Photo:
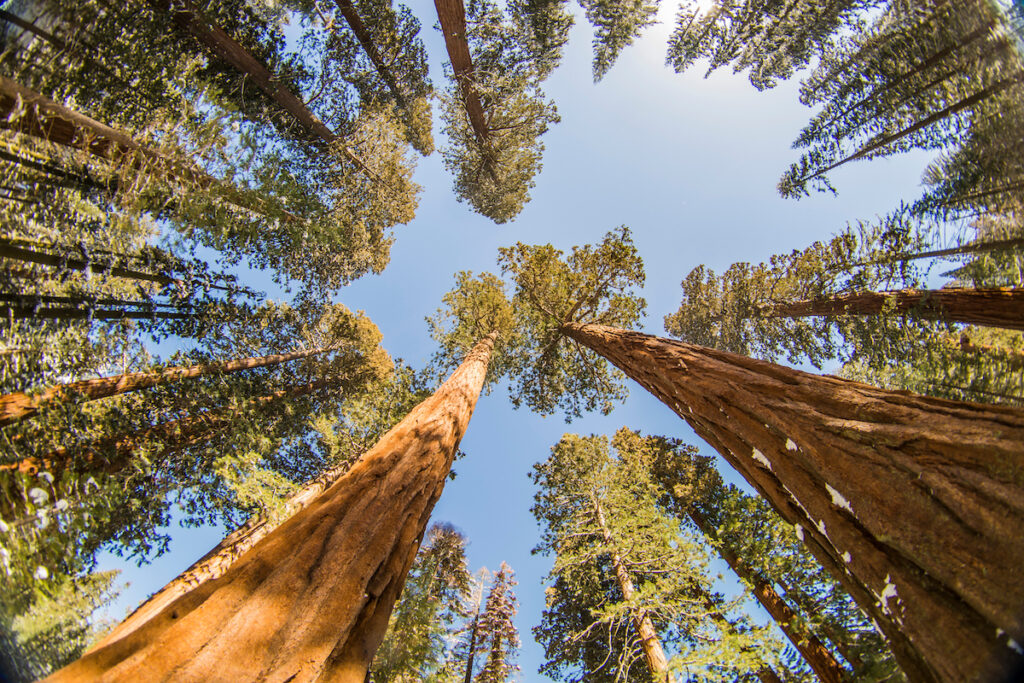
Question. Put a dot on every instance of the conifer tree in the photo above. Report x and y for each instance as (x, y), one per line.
(489, 641)
(494, 110)
(644, 581)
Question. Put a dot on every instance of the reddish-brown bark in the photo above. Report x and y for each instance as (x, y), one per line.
(311, 600)
(807, 644)
(654, 653)
(18, 406)
(995, 307)
(452, 16)
(914, 503)
(220, 558)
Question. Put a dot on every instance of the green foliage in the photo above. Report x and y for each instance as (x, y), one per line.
(617, 24)
(746, 527)
(415, 644)
(600, 518)
(494, 169)
(44, 628)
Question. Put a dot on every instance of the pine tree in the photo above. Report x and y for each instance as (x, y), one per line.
(488, 641)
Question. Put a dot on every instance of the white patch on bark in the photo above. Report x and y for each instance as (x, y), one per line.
(847, 558)
(790, 445)
(821, 528)
(759, 457)
(838, 500)
(799, 531)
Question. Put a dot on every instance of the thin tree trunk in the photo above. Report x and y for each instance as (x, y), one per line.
(222, 556)
(472, 643)
(944, 113)
(915, 504)
(26, 312)
(452, 16)
(995, 307)
(311, 600)
(355, 22)
(657, 662)
(814, 652)
(18, 406)
(970, 248)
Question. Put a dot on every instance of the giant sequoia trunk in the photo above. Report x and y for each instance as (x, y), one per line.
(452, 16)
(654, 653)
(221, 557)
(995, 307)
(915, 504)
(18, 406)
(814, 652)
(311, 600)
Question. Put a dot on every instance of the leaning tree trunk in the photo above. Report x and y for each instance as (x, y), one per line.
(452, 16)
(814, 652)
(311, 600)
(915, 504)
(654, 653)
(222, 556)
(18, 406)
(994, 307)
(362, 34)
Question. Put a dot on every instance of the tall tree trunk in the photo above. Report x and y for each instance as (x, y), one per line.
(18, 406)
(969, 248)
(657, 663)
(362, 33)
(995, 307)
(814, 652)
(953, 109)
(113, 454)
(452, 16)
(311, 600)
(43, 118)
(915, 504)
(472, 642)
(222, 556)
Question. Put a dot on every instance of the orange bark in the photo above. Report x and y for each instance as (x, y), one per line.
(915, 504)
(452, 16)
(311, 600)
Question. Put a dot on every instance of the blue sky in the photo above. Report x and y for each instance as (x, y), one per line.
(690, 165)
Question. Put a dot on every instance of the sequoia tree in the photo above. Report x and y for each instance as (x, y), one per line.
(346, 555)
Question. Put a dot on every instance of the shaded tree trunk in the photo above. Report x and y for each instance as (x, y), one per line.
(970, 248)
(915, 504)
(814, 652)
(654, 653)
(472, 644)
(18, 406)
(452, 16)
(311, 600)
(221, 557)
(995, 307)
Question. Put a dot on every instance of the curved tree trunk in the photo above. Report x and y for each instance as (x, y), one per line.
(311, 600)
(995, 307)
(915, 504)
(18, 406)
(654, 653)
(452, 16)
(814, 652)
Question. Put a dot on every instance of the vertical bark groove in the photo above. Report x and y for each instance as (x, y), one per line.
(311, 600)
(914, 503)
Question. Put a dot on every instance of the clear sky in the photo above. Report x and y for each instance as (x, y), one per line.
(690, 165)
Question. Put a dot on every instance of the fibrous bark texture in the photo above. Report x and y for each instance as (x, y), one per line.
(311, 600)
(814, 652)
(995, 307)
(452, 16)
(914, 503)
(18, 405)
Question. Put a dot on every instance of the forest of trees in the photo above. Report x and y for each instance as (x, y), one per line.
(163, 161)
